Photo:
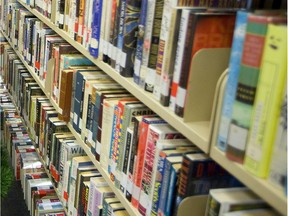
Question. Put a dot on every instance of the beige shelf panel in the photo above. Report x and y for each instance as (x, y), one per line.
(131, 210)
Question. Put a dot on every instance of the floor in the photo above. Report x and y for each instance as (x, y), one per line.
(14, 204)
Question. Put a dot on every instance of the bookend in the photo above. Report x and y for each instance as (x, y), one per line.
(206, 68)
(193, 206)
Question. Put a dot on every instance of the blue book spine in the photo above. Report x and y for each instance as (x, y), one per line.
(165, 183)
(140, 41)
(77, 99)
(120, 39)
(96, 26)
(132, 16)
(234, 68)
(158, 186)
(171, 191)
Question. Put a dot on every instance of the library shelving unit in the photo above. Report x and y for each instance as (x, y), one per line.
(198, 126)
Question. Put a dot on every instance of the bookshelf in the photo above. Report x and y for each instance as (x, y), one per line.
(199, 132)
(37, 150)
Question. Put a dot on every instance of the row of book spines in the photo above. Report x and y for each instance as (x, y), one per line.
(54, 172)
(23, 146)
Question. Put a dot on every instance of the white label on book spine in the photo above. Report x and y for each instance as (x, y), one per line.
(180, 98)
(61, 18)
(137, 65)
(75, 118)
(124, 180)
(118, 55)
(114, 52)
(136, 192)
(80, 30)
(110, 48)
(237, 137)
(49, 8)
(94, 43)
(165, 85)
(98, 147)
(123, 59)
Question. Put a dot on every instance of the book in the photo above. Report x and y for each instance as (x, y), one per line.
(155, 133)
(107, 202)
(234, 68)
(140, 41)
(267, 103)
(203, 23)
(120, 34)
(144, 126)
(127, 112)
(225, 200)
(131, 21)
(96, 26)
(278, 165)
(147, 74)
(94, 182)
(248, 79)
(253, 212)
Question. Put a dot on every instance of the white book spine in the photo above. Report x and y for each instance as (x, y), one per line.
(164, 35)
(179, 56)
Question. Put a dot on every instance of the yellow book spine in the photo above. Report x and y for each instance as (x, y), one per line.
(272, 77)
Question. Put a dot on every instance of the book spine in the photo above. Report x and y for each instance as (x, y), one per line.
(127, 156)
(267, 103)
(171, 191)
(140, 41)
(148, 74)
(165, 183)
(278, 165)
(163, 45)
(132, 16)
(113, 156)
(111, 31)
(107, 23)
(246, 88)
(158, 185)
(120, 38)
(234, 67)
(179, 58)
(132, 160)
(79, 36)
(169, 60)
(96, 26)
